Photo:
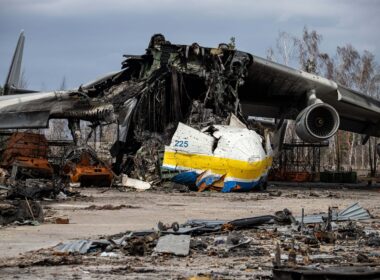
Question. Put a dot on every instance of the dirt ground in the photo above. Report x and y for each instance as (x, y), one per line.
(143, 210)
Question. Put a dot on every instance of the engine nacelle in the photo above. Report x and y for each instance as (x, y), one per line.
(317, 122)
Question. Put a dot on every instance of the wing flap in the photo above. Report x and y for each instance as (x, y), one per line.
(37, 119)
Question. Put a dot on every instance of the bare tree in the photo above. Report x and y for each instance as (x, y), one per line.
(271, 55)
(308, 50)
(286, 45)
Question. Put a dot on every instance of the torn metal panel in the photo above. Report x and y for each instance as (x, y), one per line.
(352, 212)
(81, 246)
(125, 118)
(178, 245)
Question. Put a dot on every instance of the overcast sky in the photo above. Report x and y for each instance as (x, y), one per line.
(83, 39)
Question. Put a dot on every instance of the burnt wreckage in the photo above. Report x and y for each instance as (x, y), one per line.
(169, 84)
(192, 84)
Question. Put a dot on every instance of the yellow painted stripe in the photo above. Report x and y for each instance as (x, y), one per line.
(231, 167)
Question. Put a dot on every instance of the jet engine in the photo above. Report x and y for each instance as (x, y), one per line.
(317, 122)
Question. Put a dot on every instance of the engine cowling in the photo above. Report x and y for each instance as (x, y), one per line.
(317, 122)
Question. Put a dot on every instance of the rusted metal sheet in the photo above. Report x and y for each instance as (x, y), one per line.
(26, 153)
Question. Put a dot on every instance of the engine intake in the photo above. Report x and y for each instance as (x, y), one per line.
(317, 122)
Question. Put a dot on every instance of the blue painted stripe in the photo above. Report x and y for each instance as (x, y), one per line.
(185, 178)
(190, 177)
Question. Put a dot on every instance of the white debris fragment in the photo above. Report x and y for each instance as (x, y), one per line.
(109, 255)
(134, 183)
(61, 196)
(235, 122)
(74, 185)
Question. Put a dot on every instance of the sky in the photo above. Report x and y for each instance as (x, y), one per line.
(80, 40)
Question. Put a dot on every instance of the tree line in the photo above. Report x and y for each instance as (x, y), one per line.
(348, 67)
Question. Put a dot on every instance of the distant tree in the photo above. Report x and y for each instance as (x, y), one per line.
(1, 90)
(286, 46)
(308, 50)
(232, 43)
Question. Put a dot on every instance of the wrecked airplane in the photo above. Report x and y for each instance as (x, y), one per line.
(199, 87)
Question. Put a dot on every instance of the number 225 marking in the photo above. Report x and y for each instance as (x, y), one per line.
(181, 143)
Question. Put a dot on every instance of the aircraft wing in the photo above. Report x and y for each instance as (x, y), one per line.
(275, 90)
(33, 110)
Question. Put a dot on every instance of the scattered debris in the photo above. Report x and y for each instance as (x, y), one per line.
(109, 255)
(34, 189)
(249, 245)
(110, 207)
(135, 183)
(352, 212)
(81, 246)
(20, 211)
(62, 221)
(178, 245)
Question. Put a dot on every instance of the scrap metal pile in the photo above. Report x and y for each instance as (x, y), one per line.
(335, 244)
(20, 199)
(27, 177)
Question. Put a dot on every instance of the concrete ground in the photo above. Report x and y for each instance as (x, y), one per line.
(145, 209)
